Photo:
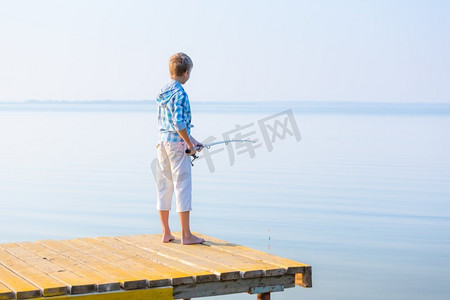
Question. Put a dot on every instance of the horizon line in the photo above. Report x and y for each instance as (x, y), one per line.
(145, 101)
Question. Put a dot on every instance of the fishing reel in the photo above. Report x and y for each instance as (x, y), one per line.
(207, 146)
(194, 157)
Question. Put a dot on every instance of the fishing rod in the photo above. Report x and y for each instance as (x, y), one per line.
(207, 146)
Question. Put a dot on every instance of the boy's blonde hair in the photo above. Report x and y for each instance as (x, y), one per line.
(179, 63)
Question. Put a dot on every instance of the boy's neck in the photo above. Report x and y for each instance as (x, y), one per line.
(178, 78)
(183, 78)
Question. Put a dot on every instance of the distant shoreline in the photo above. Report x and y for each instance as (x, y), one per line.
(299, 107)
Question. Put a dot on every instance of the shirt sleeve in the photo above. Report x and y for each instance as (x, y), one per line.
(178, 111)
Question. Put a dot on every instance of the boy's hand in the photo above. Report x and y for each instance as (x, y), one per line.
(198, 146)
(191, 150)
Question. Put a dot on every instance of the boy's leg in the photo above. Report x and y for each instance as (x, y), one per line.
(164, 186)
(180, 164)
(166, 234)
(187, 238)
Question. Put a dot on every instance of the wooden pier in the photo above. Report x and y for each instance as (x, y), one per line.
(141, 267)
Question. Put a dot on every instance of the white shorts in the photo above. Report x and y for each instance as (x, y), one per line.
(173, 174)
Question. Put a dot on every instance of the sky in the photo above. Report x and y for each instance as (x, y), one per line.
(363, 51)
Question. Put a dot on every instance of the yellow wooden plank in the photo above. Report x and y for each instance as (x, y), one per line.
(161, 293)
(103, 282)
(200, 275)
(77, 284)
(21, 288)
(224, 272)
(151, 269)
(127, 279)
(250, 268)
(5, 292)
(48, 285)
(140, 267)
(291, 266)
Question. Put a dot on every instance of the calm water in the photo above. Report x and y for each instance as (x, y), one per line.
(364, 197)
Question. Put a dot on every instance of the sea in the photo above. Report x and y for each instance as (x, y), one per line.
(360, 191)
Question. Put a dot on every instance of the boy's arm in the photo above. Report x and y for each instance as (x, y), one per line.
(185, 136)
(190, 141)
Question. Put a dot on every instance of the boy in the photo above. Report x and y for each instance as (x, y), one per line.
(174, 165)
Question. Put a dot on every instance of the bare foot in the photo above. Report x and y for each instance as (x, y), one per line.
(192, 239)
(167, 238)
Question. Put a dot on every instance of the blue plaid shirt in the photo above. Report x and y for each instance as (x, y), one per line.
(174, 112)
